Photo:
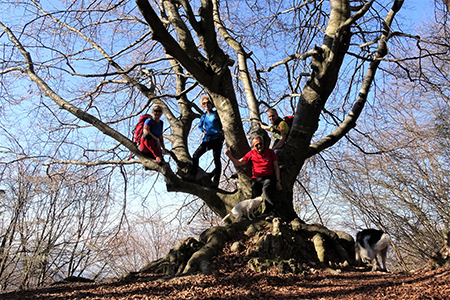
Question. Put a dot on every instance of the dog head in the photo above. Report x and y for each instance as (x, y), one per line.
(260, 199)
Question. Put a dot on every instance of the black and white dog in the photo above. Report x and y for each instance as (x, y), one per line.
(369, 244)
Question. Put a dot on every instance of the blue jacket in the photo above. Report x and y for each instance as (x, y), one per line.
(211, 126)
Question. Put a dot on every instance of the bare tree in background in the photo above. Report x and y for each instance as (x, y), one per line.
(53, 224)
(400, 181)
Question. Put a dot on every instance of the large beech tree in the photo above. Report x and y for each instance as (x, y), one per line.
(100, 65)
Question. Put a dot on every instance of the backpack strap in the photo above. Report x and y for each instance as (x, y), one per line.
(276, 124)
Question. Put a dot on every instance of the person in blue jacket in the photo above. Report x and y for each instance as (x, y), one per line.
(211, 127)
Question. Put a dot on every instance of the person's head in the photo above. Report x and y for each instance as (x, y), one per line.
(157, 111)
(206, 103)
(258, 144)
(272, 114)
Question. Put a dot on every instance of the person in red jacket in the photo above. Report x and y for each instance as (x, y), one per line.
(265, 172)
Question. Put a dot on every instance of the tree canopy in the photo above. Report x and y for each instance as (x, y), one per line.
(96, 67)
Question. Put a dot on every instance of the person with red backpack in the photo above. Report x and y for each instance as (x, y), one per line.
(151, 141)
(279, 128)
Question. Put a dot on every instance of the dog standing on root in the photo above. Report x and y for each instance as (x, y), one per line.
(245, 207)
(369, 244)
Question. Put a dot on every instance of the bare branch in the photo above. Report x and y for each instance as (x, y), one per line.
(350, 120)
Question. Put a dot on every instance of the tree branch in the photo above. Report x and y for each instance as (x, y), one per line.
(63, 104)
(244, 73)
(350, 120)
(171, 46)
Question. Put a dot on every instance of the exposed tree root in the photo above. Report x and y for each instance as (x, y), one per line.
(288, 247)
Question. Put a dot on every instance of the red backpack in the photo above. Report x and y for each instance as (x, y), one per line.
(139, 129)
(289, 120)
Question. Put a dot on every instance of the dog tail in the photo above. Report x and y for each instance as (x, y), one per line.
(226, 217)
(384, 241)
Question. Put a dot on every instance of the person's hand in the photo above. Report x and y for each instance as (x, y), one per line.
(158, 159)
(228, 152)
(279, 186)
(264, 126)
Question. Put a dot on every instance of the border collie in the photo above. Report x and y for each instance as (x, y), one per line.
(369, 244)
(245, 207)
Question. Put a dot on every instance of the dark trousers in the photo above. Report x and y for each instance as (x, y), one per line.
(216, 147)
(265, 186)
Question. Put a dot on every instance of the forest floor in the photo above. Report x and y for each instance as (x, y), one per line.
(236, 281)
(232, 279)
